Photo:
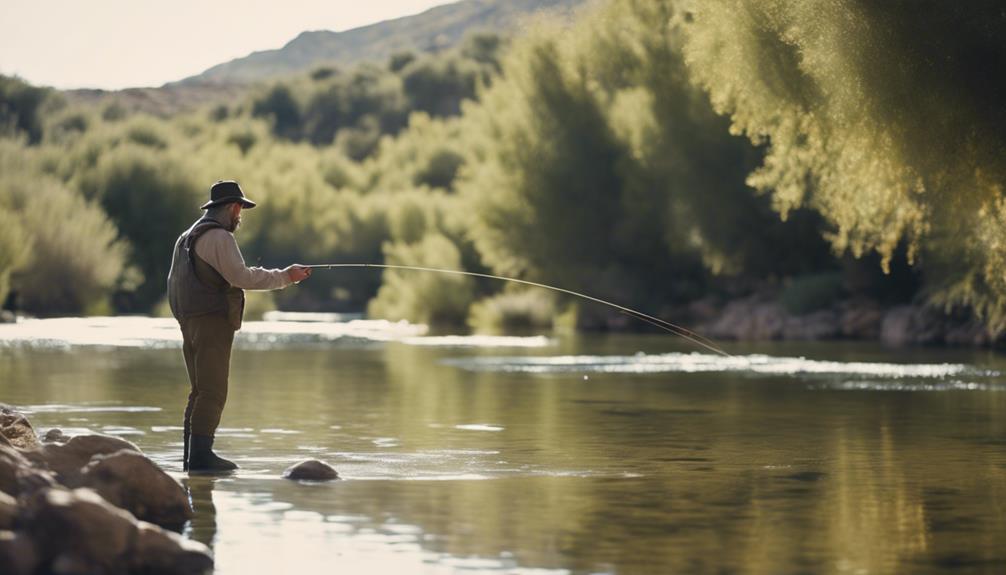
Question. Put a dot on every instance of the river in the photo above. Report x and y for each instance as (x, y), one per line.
(552, 454)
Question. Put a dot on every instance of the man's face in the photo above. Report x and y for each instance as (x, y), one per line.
(235, 216)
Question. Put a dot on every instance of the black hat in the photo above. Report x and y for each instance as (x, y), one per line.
(225, 192)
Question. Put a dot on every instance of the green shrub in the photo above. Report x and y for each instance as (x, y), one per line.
(152, 198)
(440, 170)
(15, 248)
(516, 311)
(423, 297)
(75, 256)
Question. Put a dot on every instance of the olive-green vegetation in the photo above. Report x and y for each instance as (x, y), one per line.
(884, 117)
(655, 153)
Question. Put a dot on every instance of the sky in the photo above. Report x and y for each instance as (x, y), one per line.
(114, 44)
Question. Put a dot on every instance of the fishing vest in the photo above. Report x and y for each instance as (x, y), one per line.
(195, 288)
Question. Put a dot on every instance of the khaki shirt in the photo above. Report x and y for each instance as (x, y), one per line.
(219, 248)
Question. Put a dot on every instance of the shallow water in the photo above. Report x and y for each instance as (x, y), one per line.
(617, 454)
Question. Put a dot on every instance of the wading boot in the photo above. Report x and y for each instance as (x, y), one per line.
(203, 460)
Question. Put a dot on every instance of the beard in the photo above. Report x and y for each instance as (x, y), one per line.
(235, 224)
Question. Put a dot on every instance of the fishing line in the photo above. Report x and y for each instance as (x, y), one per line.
(655, 321)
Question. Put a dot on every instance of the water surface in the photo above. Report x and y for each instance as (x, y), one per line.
(578, 454)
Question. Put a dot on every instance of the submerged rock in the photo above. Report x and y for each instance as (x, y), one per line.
(311, 470)
(16, 428)
(68, 459)
(133, 482)
(55, 435)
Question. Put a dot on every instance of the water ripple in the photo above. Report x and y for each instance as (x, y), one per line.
(706, 363)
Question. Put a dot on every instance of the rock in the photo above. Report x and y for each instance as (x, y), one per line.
(55, 435)
(159, 551)
(133, 482)
(311, 470)
(18, 555)
(68, 459)
(818, 325)
(79, 532)
(16, 428)
(8, 511)
(17, 476)
(912, 325)
(7, 316)
(861, 320)
(971, 332)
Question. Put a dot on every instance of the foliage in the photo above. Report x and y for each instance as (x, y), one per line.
(59, 251)
(513, 311)
(879, 115)
(20, 105)
(419, 296)
(151, 198)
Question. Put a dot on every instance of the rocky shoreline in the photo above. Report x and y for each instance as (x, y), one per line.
(762, 317)
(88, 504)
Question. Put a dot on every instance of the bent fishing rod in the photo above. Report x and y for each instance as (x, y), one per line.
(655, 321)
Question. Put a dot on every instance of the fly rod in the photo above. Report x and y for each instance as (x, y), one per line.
(655, 321)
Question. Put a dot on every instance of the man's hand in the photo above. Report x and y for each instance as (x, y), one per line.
(298, 273)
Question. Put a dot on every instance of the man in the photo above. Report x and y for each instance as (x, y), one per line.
(206, 292)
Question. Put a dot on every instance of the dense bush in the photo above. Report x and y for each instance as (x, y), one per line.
(151, 198)
(424, 297)
(20, 105)
(514, 311)
(879, 115)
(59, 252)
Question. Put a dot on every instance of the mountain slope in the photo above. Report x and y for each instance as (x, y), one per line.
(436, 28)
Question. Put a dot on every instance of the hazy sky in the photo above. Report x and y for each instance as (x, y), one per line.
(125, 43)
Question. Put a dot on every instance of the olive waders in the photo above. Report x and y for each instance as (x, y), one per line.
(209, 311)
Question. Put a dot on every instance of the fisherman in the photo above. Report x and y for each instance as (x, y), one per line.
(206, 292)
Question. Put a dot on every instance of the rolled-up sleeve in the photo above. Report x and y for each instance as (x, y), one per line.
(220, 249)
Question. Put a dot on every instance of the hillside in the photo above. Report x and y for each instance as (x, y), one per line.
(437, 28)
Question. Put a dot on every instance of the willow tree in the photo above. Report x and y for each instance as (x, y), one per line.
(595, 161)
(885, 117)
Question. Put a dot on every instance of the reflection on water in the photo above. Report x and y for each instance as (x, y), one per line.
(463, 457)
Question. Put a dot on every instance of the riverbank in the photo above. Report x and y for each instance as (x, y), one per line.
(763, 317)
(88, 504)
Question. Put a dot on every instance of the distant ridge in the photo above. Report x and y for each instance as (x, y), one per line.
(437, 28)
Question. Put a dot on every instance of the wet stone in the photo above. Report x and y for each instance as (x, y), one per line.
(68, 459)
(55, 435)
(311, 470)
(133, 482)
(16, 428)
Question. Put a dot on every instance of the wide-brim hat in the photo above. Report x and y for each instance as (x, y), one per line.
(225, 192)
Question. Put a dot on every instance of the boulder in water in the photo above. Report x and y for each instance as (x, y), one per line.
(160, 551)
(16, 428)
(78, 531)
(17, 476)
(311, 470)
(68, 459)
(132, 481)
(55, 435)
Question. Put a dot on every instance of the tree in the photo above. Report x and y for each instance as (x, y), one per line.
(882, 117)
